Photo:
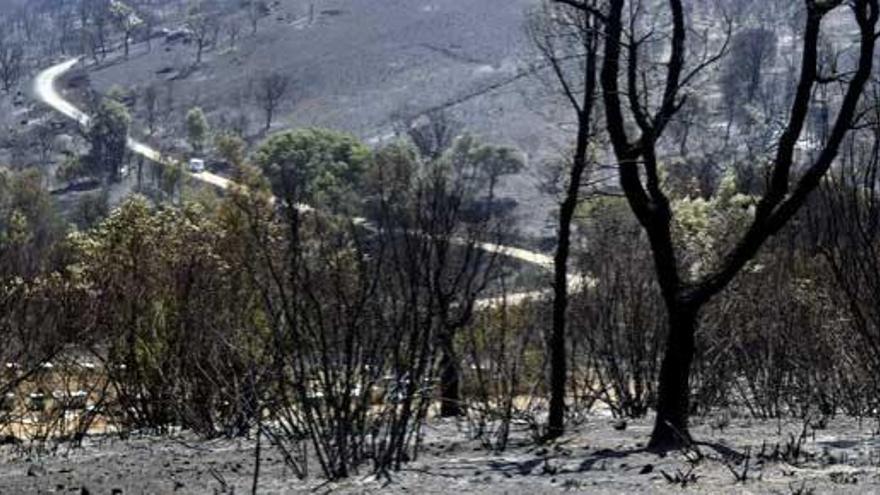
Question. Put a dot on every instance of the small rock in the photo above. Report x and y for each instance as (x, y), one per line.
(648, 468)
(116, 491)
(85, 491)
(620, 425)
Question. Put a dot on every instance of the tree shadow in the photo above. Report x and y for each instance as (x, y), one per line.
(521, 468)
(722, 450)
(597, 458)
(605, 455)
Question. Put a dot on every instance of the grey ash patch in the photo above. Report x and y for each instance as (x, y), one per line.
(595, 458)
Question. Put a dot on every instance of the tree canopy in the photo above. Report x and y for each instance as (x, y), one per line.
(315, 166)
(108, 137)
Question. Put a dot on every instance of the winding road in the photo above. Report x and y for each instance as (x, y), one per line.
(45, 90)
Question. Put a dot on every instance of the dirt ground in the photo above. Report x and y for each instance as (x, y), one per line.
(595, 458)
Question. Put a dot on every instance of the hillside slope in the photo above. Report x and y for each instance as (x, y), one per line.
(357, 66)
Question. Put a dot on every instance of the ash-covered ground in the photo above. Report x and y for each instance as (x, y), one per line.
(596, 457)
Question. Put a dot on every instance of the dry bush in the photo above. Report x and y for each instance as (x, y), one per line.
(170, 343)
(504, 371)
(39, 324)
(848, 237)
(772, 344)
(778, 343)
(616, 332)
(363, 316)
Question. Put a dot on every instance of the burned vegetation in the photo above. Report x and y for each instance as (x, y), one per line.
(187, 269)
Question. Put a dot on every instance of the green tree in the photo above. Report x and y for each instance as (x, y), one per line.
(126, 20)
(484, 163)
(231, 147)
(197, 129)
(315, 166)
(163, 280)
(30, 228)
(91, 209)
(171, 181)
(71, 170)
(120, 94)
(108, 136)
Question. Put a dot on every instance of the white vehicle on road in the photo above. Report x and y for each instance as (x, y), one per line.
(196, 165)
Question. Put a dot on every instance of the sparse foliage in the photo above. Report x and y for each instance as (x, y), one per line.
(270, 91)
(202, 27)
(108, 135)
(11, 61)
(197, 129)
(126, 20)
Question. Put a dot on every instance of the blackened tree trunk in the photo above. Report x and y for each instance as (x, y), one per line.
(579, 86)
(450, 393)
(671, 426)
(558, 364)
(558, 358)
(640, 177)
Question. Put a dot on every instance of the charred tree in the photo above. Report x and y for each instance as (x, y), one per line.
(637, 165)
(577, 77)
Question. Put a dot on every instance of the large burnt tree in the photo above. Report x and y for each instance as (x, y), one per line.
(636, 119)
(568, 40)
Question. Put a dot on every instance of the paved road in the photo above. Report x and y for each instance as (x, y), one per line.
(46, 91)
